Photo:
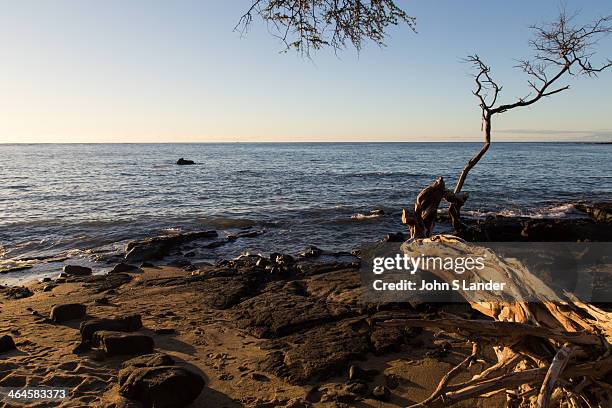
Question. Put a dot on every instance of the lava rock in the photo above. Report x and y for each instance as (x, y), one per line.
(395, 237)
(127, 323)
(120, 343)
(77, 270)
(311, 252)
(158, 247)
(147, 360)
(155, 381)
(67, 312)
(18, 292)
(123, 267)
(184, 162)
(6, 344)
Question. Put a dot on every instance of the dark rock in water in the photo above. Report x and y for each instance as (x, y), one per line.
(121, 343)
(67, 312)
(127, 323)
(311, 252)
(158, 247)
(44, 280)
(381, 393)
(183, 162)
(146, 265)
(155, 381)
(77, 270)
(395, 237)
(17, 292)
(6, 344)
(123, 267)
(517, 229)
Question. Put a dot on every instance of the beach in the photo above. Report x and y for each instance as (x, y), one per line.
(288, 330)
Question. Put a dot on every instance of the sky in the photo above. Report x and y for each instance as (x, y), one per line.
(175, 71)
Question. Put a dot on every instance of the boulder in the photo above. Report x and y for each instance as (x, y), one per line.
(154, 381)
(121, 343)
(127, 323)
(184, 162)
(106, 283)
(77, 270)
(17, 292)
(6, 344)
(67, 312)
(123, 267)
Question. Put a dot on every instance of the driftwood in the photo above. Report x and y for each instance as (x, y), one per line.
(421, 222)
(551, 352)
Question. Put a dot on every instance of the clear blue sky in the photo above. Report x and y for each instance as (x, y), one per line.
(164, 71)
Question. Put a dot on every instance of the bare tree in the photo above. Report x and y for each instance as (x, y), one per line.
(561, 49)
(306, 25)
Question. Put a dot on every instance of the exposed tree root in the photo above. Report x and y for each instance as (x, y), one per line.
(550, 352)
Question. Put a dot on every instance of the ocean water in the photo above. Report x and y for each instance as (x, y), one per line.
(82, 200)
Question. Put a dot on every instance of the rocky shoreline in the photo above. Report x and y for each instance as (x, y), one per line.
(286, 330)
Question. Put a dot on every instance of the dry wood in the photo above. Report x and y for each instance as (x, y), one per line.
(532, 338)
(552, 375)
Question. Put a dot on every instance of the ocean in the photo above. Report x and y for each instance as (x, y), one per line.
(83, 200)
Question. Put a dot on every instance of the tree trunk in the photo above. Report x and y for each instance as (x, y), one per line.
(454, 209)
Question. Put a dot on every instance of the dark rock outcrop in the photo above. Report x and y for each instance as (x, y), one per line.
(283, 309)
(66, 312)
(77, 270)
(520, 229)
(184, 162)
(320, 352)
(155, 381)
(158, 247)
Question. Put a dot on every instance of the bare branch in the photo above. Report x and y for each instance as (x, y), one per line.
(306, 25)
